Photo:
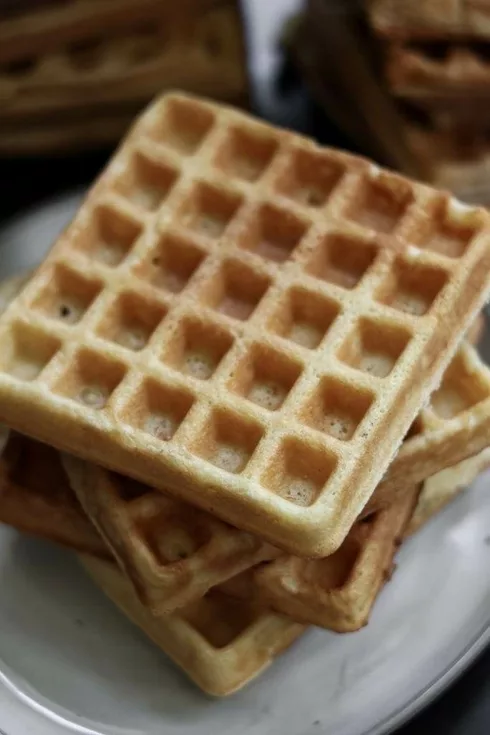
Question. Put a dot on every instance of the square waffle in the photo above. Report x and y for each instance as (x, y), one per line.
(203, 53)
(245, 319)
(430, 18)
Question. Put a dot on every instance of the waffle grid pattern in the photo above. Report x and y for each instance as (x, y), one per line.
(220, 642)
(171, 552)
(202, 305)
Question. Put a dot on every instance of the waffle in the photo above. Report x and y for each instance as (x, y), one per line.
(36, 498)
(431, 72)
(172, 553)
(221, 643)
(430, 18)
(338, 592)
(204, 54)
(311, 589)
(249, 410)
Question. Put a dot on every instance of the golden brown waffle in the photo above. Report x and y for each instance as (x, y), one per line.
(204, 54)
(430, 18)
(42, 509)
(140, 342)
(148, 530)
(221, 643)
(419, 72)
(339, 592)
(172, 553)
(36, 498)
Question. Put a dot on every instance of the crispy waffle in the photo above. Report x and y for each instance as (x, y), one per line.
(430, 18)
(221, 643)
(339, 592)
(204, 54)
(172, 553)
(141, 344)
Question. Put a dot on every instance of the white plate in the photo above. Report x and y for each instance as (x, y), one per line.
(70, 662)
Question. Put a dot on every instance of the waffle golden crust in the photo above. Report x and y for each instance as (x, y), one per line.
(171, 552)
(221, 643)
(204, 53)
(430, 18)
(267, 414)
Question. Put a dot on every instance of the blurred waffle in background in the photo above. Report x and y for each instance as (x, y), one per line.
(409, 82)
(74, 74)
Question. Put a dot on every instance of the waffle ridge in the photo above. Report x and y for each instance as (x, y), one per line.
(199, 201)
(171, 552)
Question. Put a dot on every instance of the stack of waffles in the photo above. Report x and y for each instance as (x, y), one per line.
(415, 87)
(73, 74)
(246, 362)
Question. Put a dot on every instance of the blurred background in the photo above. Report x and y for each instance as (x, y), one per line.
(406, 82)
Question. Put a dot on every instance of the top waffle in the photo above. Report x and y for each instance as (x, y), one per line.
(430, 18)
(244, 318)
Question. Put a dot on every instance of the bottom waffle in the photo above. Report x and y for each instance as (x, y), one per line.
(336, 592)
(220, 642)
